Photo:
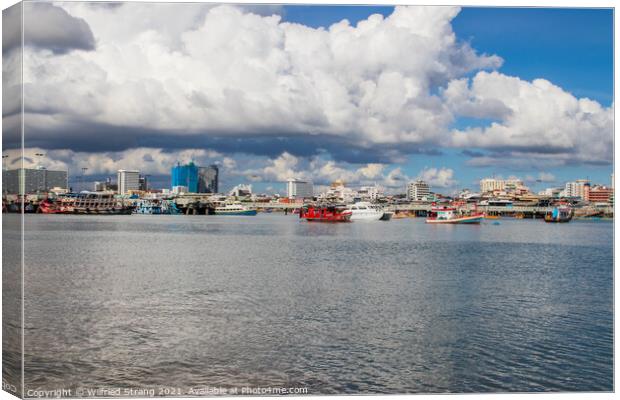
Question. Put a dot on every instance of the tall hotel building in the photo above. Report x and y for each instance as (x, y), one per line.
(32, 180)
(127, 180)
(418, 190)
(298, 189)
(579, 188)
(195, 179)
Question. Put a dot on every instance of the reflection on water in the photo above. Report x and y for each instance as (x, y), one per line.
(150, 301)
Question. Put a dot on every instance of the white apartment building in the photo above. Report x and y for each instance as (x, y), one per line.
(491, 184)
(371, 193)
(418, 190)
(128, 180)
(298, 189)
(579, 188)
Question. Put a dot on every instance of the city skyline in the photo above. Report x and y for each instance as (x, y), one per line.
(455, 97)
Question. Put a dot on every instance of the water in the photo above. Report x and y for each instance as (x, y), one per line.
(272, 301)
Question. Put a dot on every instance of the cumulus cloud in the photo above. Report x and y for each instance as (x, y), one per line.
(322, 172)
(46, 26)
(438, 177)
(222, 71)
(537, 121)
(342, 101)
(147, 160)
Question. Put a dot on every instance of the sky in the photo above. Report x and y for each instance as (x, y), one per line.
(364, 94)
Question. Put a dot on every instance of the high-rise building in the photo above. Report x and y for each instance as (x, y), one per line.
(128, 180)
(418, 190)
(579, 188)
(371, 193)
(298, 189)
(33, 180)
(491, 184)
(185, 175)
(143, 183)
(208, 179)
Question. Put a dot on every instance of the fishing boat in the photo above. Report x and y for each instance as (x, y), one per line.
(364, 211)
(449, 215)
(233, 209)
(84, 203)
(559, 214)
(326, 214)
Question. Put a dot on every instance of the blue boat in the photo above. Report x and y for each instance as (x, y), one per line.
(155, 207)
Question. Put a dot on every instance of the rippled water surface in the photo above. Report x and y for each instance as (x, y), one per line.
(271, 301)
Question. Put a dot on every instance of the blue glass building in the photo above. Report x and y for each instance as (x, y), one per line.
(185, 175)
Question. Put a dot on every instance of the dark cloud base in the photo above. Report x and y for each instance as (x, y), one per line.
(97, 138)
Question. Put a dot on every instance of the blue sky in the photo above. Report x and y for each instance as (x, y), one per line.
(572, 48)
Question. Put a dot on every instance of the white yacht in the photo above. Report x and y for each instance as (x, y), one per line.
(234, 209)
(364, 211)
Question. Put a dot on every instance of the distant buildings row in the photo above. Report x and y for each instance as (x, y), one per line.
(190, 178)
(581, 190)
(33, 180)
(298, 190)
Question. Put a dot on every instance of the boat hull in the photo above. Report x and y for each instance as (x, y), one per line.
(366, 217)
(244, 212)
(325, 215)
(558, 220)
(344, 218)
(474, 219)
(386, 216)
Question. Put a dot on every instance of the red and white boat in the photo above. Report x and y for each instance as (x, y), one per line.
(449, 215)
(326, 214)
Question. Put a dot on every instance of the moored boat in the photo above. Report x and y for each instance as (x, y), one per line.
(84, 203)
(448, 215)
(364, 211)
(326, 214)
(559, 214)
(234, 209)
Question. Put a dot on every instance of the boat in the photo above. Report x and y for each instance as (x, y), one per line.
(234, 209)
(155, 207)
(449, 215)
(147, 207)
(326, 214)
(559, 214)
(491, 217)
(364, 211)
(84, 203)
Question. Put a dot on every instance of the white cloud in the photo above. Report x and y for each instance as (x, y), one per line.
(220, 69)
(438, 177)
(147, 160)
(534, 118)
(322, 172)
